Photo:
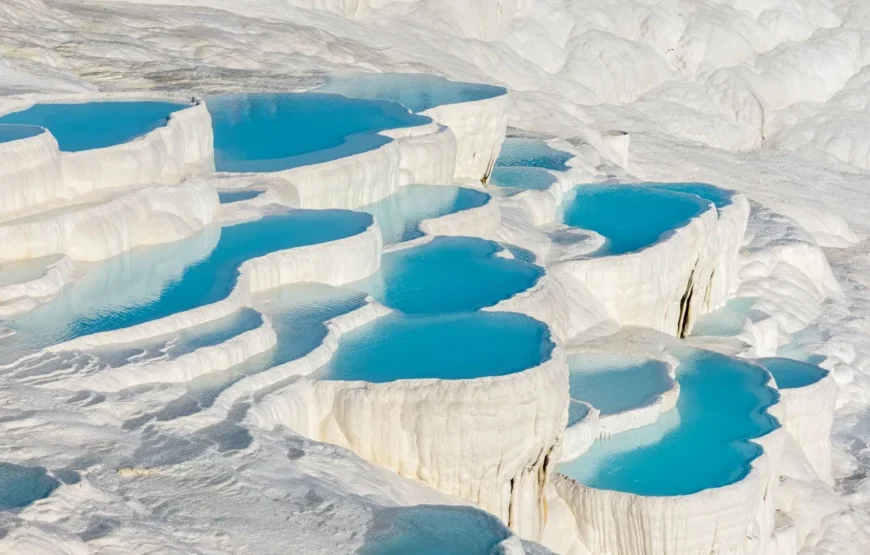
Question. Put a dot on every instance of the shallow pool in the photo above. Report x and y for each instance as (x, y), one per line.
(791, 374)
(629, 217)
(12, 132)
(152, 282)
(448, 274)
(88, 125)
(535, 153)
(719, 197)
(702, 443)
(272, 132)
(433, 530)
(727, 321)
(399, 215)
(22, 485)
(416, 91)
(230, 196)
(448, 346)
(516, 179)
(616, 383)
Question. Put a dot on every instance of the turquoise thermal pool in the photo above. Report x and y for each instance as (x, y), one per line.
(728, 320)
(615, 383)
(399, 215)
(96, 124)
(273, 132)
(792, 374)
(22, 485)
(533, 153)
(704, 442)
(152, 282)
(448, 274)
(433, 530)
(516, 179)
(719, 197)
(417, 92)
(629, 217)
(227, 197)
(13, 132)
(448, 347)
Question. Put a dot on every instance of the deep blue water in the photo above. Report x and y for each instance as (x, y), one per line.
(613, 383)
(226, 197)
(87, 125)
(400, 214)
(177, 276)
(272, 132)
(790, 374)
(534, 153)
(14, 132)
(22, 485)
(448, 274)
(450, 347)
(702, 443)
(416, 91)
(628, 216)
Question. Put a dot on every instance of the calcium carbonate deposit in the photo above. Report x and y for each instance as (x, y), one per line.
(453, 277)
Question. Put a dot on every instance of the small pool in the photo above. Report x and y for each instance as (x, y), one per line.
(719, 197)
(629, 217)
(152, 282)
(12, 132)
(433, 530)
(726, 321)
(577, 411)
(230, 196)
(448, 274)
(516, 179)
(273, 132)
(448, 347)
(22, 485)
(416, 91)
(533, 153)
(88, 125)
(400, 214)
(792, 374)
(702, 443)
(615, 383)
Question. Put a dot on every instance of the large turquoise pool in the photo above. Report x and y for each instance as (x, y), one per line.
(449, 274)
(702, 443)
(98, 124)
(399, 215)
(416, 91)
(272, 132)
(630, 217)
(445, 346)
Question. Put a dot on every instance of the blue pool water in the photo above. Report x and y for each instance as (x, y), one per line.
(577, 411)
(449, 347)
(702, 443)
(153, 282)
(726, 321)
(226, 197)
(22, 485)
(417, 92)
(516, 179)
(535, 153)
(719, 197)
(433, 530)
(272, 132)
(614, 383)
(400, 214)
(87, 125)
(448, 274)
(15, 132)
(791, 374)
(629, 217)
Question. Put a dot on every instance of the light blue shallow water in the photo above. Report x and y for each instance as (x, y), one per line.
(448, 274)
(13, 132)
(272, 132)
(791, 374)
(87, 125)
(577, 411)
(449, 347)
(22, 485)
(416, 91)
(226, 197)
(719, 197)
(726, 321)
(516, 179)
(399, 215)
(172, 278)
(628, 216)
(614, 383)
(702, 443)
(433, 530)
(516, 151)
